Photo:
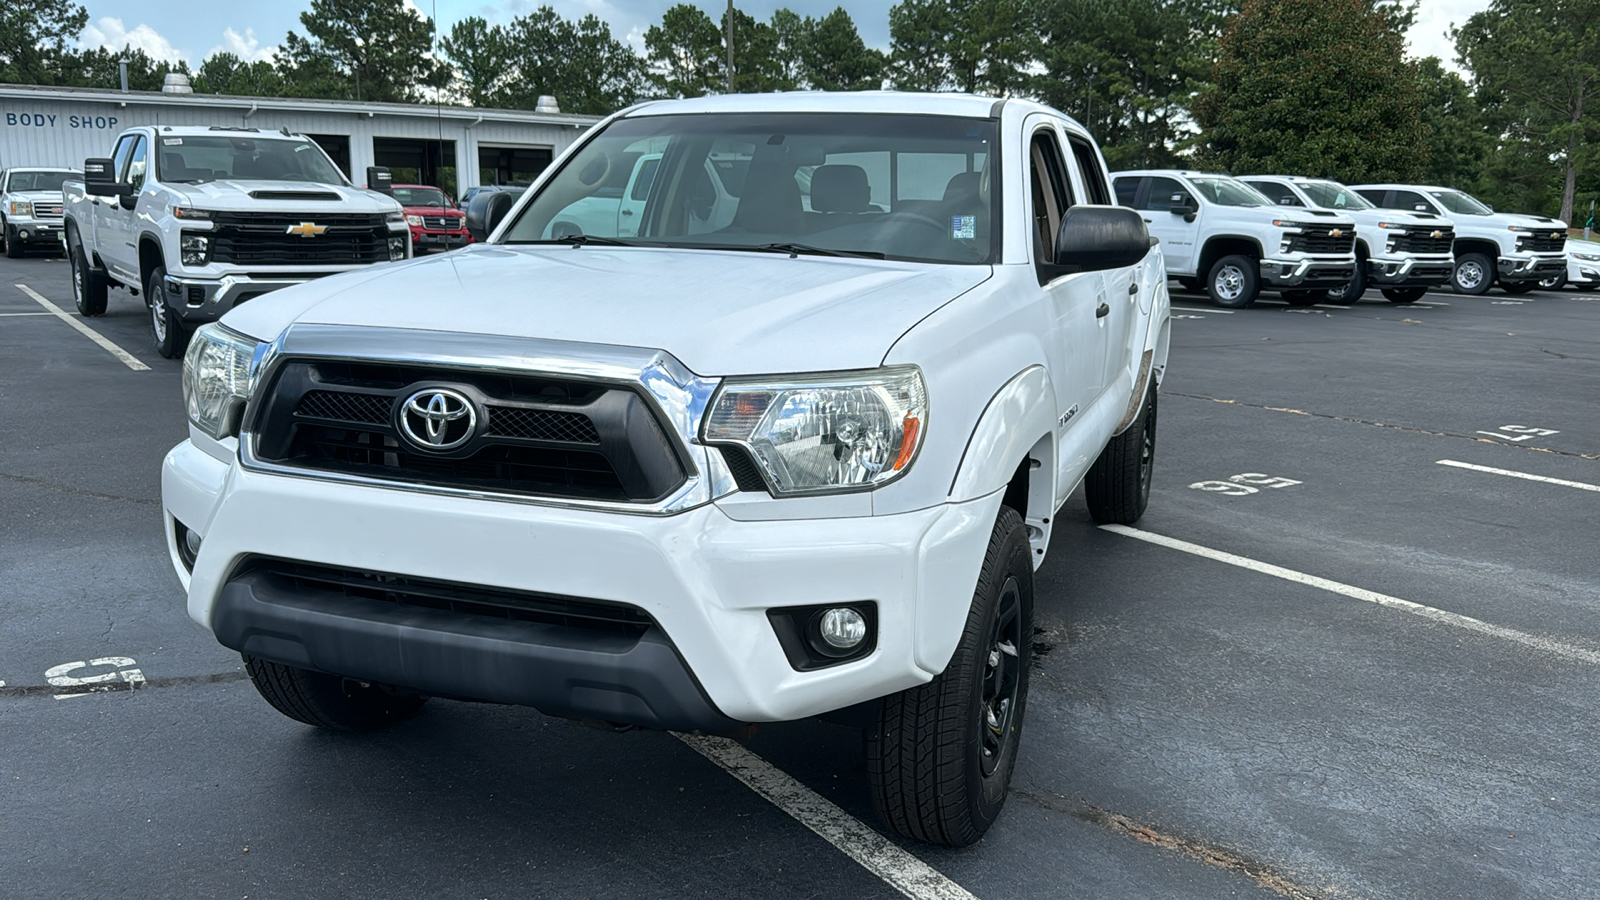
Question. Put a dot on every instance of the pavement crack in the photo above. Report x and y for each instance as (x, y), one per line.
(68, 489)
(1210, 854)
(1368, 422)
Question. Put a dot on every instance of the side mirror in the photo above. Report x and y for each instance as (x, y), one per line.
(485, 212)
(1183, 205)
(1096, 238)
(100, 179)
(379, 179)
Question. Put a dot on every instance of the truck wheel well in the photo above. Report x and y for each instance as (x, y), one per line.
(1487, 248)
(1226, 245)
(1361, 250)
(150, 259)
(1016, 495)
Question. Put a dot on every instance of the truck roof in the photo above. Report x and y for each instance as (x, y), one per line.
(1187, 173)
(43, 169)
(221, 130)
(1395, 186)
(969, 105)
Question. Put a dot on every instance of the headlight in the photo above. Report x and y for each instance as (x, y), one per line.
(195, 249)
(414, 220)
(216, 378)
(21, 208)
(1588, 257)
(825, 433)
(1392, 226)
(396, 216)
(189, 212)
(1286, 223)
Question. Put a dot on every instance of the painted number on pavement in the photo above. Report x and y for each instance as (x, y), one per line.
(108, 673)
(1519, 432)
(1243, 484)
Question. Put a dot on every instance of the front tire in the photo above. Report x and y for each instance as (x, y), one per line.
(1351, 293)
(1234, 282)
(1553, 283)
(1518, 288)
(171, 337)
(1303, 297)
(1404, 295)
(1117, 487)
(939, 759)
(1474, 274)
(328, 701)
(88, 286)
(13, 246)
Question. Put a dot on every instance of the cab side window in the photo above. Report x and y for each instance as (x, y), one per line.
(1094, 181)
(1277, 193)
(119, 158)
(136, 165)
(1376, 198)
(1052, 195)
(1127, 191)
(1410, 201)
(1166, 195)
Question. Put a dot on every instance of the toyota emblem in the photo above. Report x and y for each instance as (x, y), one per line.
(438, 419)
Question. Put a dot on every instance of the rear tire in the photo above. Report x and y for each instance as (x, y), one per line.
(1473, 275)
(88, 286)
(1553, 283)
(939, 758)
(328, 701)
(1192, 284)
(1117, 487)
(171, 337)
(1234, 282)
(1404, 295)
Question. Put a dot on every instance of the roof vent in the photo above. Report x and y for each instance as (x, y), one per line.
(176, 83)
(546, 104)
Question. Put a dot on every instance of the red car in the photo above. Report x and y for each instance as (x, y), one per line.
(434, 220)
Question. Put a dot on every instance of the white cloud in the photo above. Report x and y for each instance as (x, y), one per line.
(109, 32)
(1430, 35)
(245, 46)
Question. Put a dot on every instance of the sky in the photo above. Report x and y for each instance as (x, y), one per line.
(185, 29)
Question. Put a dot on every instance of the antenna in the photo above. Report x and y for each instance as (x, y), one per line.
(730, 46)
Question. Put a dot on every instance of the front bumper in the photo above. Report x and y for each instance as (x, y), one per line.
(34, 231)
(200, 300)
(1582, 272)
(1531, 268)
(705, 580)
(424, 239)
(1307, 273)
(1409, 271)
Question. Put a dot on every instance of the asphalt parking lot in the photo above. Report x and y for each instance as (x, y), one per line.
(1350, 652)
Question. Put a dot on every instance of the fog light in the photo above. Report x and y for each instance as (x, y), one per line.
(22, 233)
(842, 628)
(397, 247)
(192, 541)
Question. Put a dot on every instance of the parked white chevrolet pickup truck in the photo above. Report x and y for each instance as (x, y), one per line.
(30, 208)
(202, 219)
(804, 464)
(1402, 253)
(1220, 235)
(1515, 251)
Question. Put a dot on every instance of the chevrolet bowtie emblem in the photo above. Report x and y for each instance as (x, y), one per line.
(1336, 233)
(1437, 234)
(306, 229)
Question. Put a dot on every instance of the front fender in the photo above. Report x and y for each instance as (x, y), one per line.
(1018, 417)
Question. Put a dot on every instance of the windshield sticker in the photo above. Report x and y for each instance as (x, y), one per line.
(964, 228)
(172, 142)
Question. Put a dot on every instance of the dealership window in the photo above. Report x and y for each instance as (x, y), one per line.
(337, 146)
(418, 161)
(511, 165)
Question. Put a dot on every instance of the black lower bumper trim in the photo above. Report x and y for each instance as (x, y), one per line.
(560, 671)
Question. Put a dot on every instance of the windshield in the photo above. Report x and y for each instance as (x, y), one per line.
(195, 159)
(892, 186)
(1228, 192)
(1329, 195)
(38, 181)
(420, 196)
(1457, 202)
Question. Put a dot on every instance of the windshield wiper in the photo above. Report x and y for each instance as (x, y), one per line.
(578, 240)
(797, 249)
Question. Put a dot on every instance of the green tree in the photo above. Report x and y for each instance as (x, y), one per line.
(34, 36)
(1314, 87)
(1458, 143)
(602, 74)
(685, 53)
(756, 69)
(362, 50)
(835, 57)
(1126, 69)
(100, 67)
(483, 55)
(978, 46)
(226, 73)
(790, 29)
(1536, 64)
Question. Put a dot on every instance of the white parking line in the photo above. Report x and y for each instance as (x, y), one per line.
(1208, 309)
(1582, 486)
(8, 315)
(876, 853)
(1443, 617)
(121, 354)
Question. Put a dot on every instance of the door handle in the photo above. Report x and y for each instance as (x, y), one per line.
(1147, 220)
(627, 212)
(1133, 289)
(1103, 310)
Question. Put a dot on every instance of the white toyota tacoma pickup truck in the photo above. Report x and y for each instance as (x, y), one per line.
(202, 219)
(1221, 235)
(803, 464)
(1515, 251)
(1402, 253)
(30, 207)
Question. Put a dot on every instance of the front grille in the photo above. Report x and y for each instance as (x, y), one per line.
(743, 469)
(1542, 242)
(264, 239)
(1320, 239)
(47, 210)
(536, 436)
(330, 584)
(442, 223)
(1422, 241)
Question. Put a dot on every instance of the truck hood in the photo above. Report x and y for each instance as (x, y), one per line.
(1397, 217)
(233, 195)
(36, 196)
(1540, 222)
(717, 312)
